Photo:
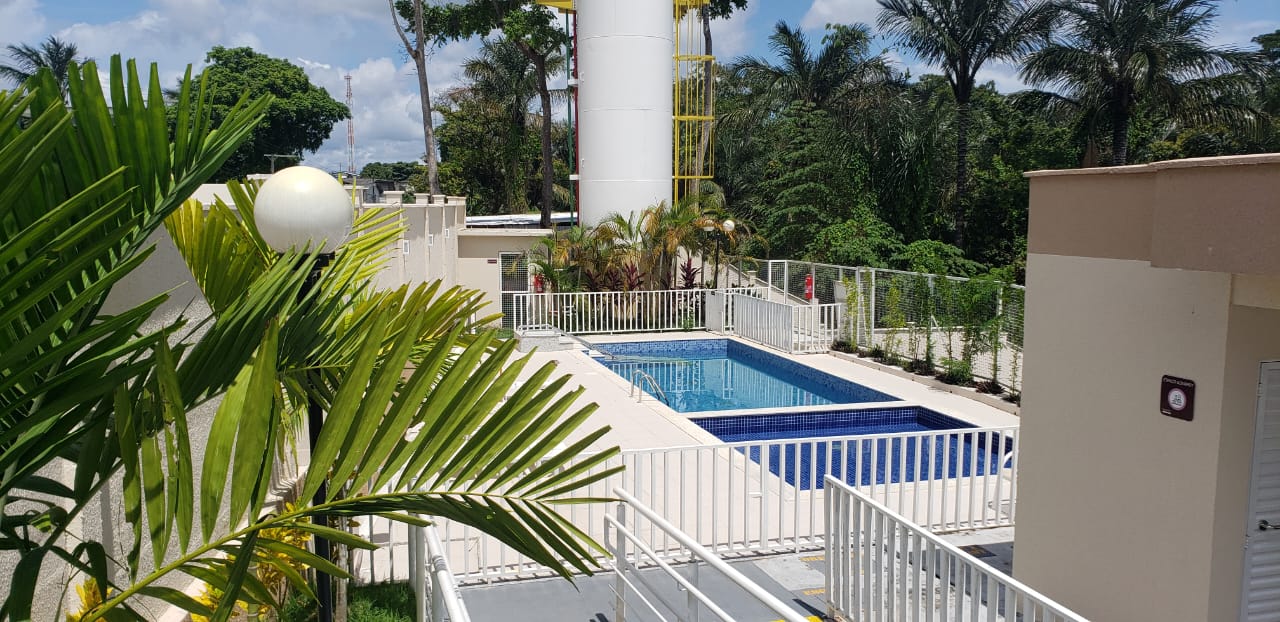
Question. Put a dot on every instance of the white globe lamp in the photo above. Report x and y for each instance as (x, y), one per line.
(303, 208)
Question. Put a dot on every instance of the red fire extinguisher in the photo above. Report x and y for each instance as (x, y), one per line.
(539, 284)
(808, 287)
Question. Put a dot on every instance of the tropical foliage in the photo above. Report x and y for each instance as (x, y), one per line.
(961, 36)
(653, 250)
(103, 395)
(834, 152)
(53, 54)
(1114, 56)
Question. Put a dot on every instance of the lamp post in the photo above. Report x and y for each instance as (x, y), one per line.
(725, 229)
(305, 209)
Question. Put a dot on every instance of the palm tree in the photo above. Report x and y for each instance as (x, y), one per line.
(503, 77)
(961, 36)
(54, 54)
(103, 395)
(825, 80)
(1116, 54)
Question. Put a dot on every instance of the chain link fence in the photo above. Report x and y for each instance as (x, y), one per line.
(962, 330)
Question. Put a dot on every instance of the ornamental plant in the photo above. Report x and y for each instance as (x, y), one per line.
(100, 395)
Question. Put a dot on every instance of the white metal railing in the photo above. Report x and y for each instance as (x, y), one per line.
(628, 553)
(882, 566)
(797, 329)
(757, 496)
(613, 312)
(435, 590)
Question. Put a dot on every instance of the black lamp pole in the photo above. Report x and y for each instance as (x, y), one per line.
(715, 284)
(315, 421)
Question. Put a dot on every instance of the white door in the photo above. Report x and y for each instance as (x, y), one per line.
(1261, 601)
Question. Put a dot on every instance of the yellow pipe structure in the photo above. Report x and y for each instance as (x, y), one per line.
(694, 110)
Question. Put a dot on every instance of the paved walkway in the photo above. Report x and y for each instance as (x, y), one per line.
(797, 579)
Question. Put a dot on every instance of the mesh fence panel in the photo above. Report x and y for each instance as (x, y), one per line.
(963, 329)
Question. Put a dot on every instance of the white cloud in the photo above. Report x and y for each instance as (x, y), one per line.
(1005, 75)
(1238, 34)
(327, 38)
(823, 12)
(731, 37)
(387, 111)
(20, 22)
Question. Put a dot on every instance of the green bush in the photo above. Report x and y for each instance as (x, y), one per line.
(956, 371)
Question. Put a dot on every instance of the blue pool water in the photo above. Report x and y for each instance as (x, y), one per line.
(903, 459)
(719, 374)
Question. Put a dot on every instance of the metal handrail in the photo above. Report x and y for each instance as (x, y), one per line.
(701, 554)
(653, 383)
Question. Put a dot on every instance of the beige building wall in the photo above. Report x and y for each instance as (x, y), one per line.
(478, 258)
(1134, 273)
(1115, 500)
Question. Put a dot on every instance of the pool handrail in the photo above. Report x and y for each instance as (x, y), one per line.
(644, 375)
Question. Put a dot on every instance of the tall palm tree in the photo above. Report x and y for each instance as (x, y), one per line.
(961, 36)
(55, 54)
(825, 79)
(1115, 54)
(504, 74)
(503, 77)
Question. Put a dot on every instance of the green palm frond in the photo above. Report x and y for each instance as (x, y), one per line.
(87, 184)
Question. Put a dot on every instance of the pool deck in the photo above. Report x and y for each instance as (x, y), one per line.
(649, 423)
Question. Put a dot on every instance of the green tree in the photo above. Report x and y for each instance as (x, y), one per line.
(485, 157)
(503, 75)
(813, 183)
(391, 171)
(418, 48)
(1117, 55)
(102, 395)
(54, 54)
(533, 30)
(839, 71)
(961, 36)
(300, 118)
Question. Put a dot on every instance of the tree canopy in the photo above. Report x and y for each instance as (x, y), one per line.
(392, 171)
(301, 115)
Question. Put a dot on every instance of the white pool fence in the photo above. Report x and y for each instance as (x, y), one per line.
(754, 496)
(651, 594)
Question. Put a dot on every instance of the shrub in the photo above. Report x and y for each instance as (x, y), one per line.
(956, 371)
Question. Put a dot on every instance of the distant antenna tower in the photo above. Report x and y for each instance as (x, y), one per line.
(351, 133)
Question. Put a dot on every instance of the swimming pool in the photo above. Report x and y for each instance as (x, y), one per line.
(903, 457)
(700, 375)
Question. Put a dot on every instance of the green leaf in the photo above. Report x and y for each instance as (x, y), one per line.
(253, 447)
(177, 599)
(235, 580)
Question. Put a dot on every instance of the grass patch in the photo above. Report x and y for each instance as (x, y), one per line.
(384, 602)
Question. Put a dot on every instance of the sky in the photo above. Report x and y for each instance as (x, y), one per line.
(332, 38)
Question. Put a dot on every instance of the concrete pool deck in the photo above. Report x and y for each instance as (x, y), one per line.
(649, 423)
(723, 496)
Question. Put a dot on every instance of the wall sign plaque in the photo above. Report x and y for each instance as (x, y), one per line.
(1177, 397)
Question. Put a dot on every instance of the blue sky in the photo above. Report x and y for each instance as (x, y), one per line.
(331, 38)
